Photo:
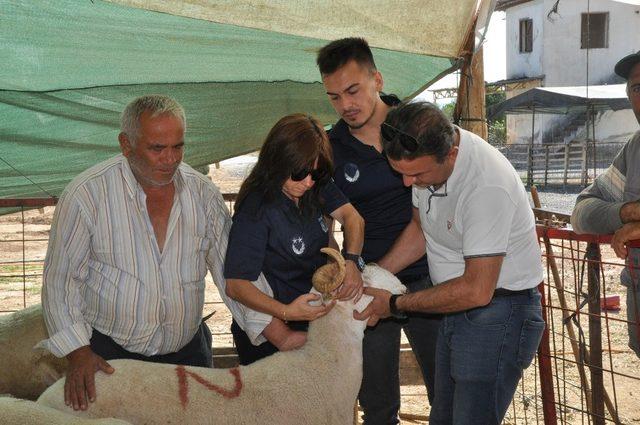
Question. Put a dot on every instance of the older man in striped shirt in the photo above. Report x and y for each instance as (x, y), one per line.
(131, 242)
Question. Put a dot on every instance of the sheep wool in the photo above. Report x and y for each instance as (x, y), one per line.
(26, 372)
(15, 411)
(316, 384)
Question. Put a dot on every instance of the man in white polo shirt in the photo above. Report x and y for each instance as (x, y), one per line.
(472, 216)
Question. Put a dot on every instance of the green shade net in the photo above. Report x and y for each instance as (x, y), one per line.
(69, 67)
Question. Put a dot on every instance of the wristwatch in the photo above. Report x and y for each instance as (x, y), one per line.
(393, 308)
(356, 259)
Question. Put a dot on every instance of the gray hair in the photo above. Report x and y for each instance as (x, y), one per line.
(156, 104)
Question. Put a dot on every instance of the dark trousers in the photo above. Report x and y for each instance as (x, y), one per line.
(196, 353)
(249, 353)
(380, 390)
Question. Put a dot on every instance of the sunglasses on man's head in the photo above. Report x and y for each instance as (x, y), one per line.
(316, 174)
(390, 133)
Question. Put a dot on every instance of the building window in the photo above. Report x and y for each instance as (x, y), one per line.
(526, 35)
(594, 33)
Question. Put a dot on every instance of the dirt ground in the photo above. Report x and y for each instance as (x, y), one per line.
(20, 286)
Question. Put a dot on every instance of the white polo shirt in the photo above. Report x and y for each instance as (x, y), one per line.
(482, 210)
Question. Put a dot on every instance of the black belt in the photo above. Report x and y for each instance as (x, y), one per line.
(502, 292)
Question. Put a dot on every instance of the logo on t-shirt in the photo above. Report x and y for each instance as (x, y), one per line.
(449, 224)
(351, 172)
(297, 245)
(323, 224)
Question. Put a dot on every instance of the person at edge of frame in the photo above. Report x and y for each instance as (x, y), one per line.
(611, 204)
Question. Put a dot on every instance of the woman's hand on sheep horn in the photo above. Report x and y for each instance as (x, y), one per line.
(352, 284)
(377, 309)
(80, 380)
(300, 309)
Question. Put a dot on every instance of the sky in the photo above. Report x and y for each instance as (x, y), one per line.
(495, 66)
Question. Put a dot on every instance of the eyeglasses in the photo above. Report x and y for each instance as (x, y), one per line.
(390, 133)
(316, 174)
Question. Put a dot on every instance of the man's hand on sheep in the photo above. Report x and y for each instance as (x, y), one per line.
(352, 285)
(377, 309)
(80, 381)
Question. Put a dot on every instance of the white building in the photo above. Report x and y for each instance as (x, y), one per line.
(559, 43)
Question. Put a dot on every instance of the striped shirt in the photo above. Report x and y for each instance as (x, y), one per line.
(104, 270)
(597, 208)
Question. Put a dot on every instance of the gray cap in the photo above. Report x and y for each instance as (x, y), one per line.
(624, 65)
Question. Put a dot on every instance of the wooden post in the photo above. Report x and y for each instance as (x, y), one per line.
(470, 111)
(567, 149)
(595, 333)
(546, 164)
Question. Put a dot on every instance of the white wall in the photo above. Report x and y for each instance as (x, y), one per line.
(556, 42)
(524, 64)
(613, 126)
(519, 127)
(557, 55)
(565, 63)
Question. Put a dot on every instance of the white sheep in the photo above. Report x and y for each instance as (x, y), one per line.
(15, 411)
(26, 372)
(316, 384)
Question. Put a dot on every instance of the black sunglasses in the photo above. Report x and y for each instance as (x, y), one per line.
(390, 133)
(316, 174)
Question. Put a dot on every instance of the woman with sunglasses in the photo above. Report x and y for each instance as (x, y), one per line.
(282, 219)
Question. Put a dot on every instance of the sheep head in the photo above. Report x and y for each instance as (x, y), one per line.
(377, 277)
(330, 276)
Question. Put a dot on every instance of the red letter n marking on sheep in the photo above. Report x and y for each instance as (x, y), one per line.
(183, 384)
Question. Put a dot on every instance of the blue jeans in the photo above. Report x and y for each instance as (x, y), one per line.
(480, 357)
(380, 390)
(633, 311)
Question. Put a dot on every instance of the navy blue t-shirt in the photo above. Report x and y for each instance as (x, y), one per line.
(365, 177)
(276, 239)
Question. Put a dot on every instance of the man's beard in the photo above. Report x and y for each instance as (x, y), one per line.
(137, 168)
(365, 122)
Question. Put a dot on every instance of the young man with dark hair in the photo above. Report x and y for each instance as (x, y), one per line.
(362, 172)
(473, 219)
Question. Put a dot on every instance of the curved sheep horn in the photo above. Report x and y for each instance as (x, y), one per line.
(330, 276)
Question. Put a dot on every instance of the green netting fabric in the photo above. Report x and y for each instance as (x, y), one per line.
(70, 67)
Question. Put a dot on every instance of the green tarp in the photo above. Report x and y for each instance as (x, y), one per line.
(70, 66)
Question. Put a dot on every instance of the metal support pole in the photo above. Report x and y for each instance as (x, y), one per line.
(593, 135)
(545, 370)
(530, 150)
(584, 168)
(595, 333)
(567, 149)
